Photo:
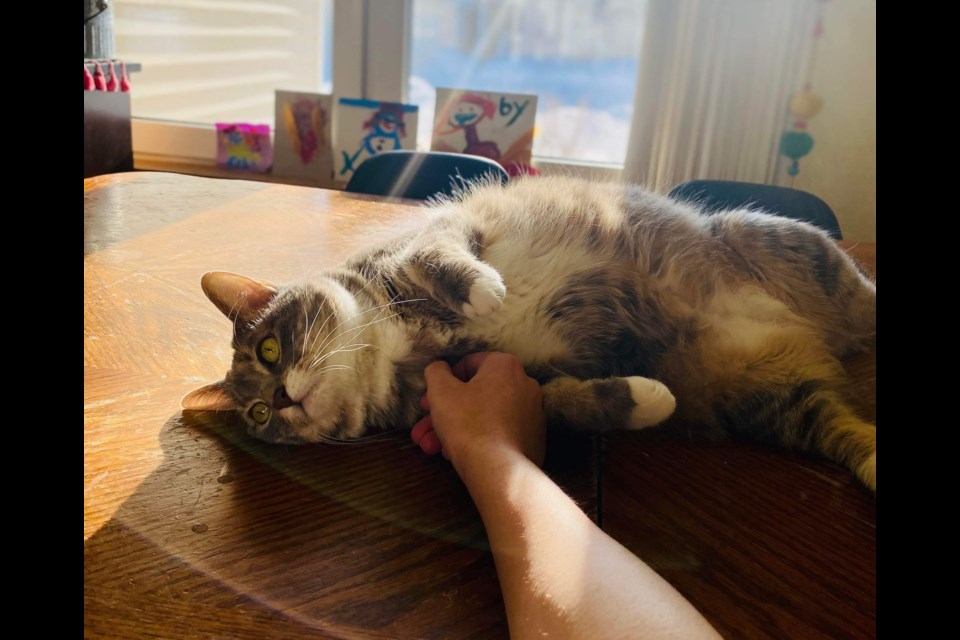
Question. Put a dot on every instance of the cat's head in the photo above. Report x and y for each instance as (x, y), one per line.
(302, 358)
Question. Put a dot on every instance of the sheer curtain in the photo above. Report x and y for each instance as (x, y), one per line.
(714, 83)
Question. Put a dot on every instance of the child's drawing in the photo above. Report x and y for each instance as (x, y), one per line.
(244, 146)
(498, 126)
(366, 128)
(302, 135)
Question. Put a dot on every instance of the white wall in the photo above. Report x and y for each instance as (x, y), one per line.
(842, 167)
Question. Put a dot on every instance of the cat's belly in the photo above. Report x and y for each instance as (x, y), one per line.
(521, 326)
(533, 275)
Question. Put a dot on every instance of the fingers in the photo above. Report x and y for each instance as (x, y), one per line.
(439, 376)
(430, 444)
(424, 426)
(468, 366)
(465, 369)
(424, 435)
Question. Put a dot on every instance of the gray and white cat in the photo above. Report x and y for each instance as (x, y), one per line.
(617, 300)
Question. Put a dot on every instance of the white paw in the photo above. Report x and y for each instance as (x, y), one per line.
(486, 294)
(654, 401)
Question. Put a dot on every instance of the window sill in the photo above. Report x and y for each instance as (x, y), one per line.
(152, 162)
(190, 149)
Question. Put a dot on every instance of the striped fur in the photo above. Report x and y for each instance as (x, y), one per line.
(623, 303)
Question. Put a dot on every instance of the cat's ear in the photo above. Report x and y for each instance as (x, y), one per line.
(237, 296)
(211, 397)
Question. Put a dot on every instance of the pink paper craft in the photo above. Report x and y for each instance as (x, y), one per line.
(244, 146)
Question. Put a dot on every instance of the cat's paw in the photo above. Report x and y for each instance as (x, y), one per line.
(654, 402)
(486, 294)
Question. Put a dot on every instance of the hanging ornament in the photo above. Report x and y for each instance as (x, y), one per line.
(805, 104)
(795, 145)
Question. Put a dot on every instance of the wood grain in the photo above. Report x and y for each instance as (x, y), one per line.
(191, 529)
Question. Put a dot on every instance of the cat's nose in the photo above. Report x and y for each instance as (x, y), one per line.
(281, 400)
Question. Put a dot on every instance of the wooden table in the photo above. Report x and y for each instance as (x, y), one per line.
(192, 530)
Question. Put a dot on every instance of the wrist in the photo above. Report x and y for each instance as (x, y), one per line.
(471, 460)
(486, 468)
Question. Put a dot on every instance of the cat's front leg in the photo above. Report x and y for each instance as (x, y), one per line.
(604, 404)
(446, 264)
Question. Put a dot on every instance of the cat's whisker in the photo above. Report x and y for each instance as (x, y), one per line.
(376, 320)
(328, 439)
(381, 308)
(335, 367)
(320, 359)
(362, 328)
(333, 332)
(347, 349)
(306, 329)
(334, 335)
(331, 368)
(364, 439)
(320, 330)
(309, 329)
(235, 317)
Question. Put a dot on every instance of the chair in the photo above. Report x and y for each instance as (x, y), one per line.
(421, 174)
(719, 195)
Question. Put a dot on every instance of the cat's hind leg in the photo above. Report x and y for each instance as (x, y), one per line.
(814, 418)
(804, 406)
(843, 437)
(603, 404)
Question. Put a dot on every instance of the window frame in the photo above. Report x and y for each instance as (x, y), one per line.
(371, 59)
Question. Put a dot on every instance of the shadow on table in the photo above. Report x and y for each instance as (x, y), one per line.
(364, 538)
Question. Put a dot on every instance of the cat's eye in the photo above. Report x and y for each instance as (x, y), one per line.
(260, 412)
(269, 350)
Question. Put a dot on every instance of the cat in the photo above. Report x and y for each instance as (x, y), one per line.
(628, 307)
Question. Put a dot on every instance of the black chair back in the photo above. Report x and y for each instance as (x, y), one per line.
(421, 174)
(720, 195)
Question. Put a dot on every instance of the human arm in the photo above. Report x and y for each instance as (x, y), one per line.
(561, 575)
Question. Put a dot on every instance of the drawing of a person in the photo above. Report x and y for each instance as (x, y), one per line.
(466, 113)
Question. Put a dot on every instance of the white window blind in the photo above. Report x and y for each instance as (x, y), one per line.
(211, 61)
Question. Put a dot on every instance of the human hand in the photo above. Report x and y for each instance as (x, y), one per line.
(486, 404)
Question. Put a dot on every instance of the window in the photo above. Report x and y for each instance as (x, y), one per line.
(578, 56)
(207, 61)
